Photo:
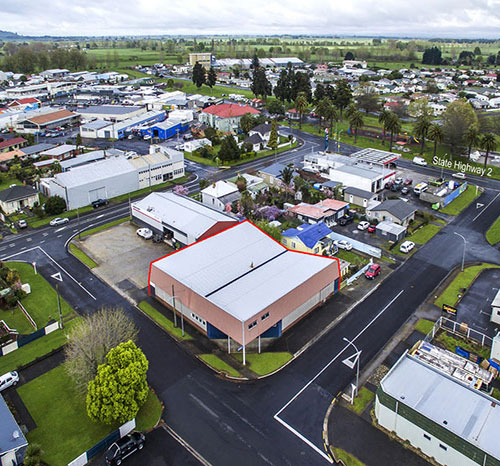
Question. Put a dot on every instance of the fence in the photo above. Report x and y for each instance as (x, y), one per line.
(458, 328)
(85, 457)
(359, 273)
(24, 340)
(358, 245)
(26, 313)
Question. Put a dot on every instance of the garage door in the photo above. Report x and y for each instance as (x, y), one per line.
(99, 193)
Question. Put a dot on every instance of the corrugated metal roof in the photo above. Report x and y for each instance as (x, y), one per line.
(308, 234)
(11, 436)
(468, 413)
(242, 270)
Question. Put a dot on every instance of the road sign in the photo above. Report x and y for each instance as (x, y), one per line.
(350, 362)
(57, 276)
(449, 309)
(479, 205)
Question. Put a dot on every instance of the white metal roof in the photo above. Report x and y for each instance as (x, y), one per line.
(59, 150)
(468, 413)
(242, 270)
(220, 188)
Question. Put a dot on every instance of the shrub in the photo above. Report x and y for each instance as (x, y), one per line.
(55, 205)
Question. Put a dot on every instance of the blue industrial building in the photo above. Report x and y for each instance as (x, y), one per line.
(166, 129)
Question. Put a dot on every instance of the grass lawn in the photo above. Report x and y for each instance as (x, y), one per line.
(353, 257)
(363, 399)
(462, 280)
(424, 234)
(6, 181)
(493, 233)
(219, 365)
(16, 320)
(347, 458)
(41, 303)
(264, 363)
(35, 349)
(82, 257)
(190, 88)
(424, 326)
(149, 414)
(462, 201)
(66, 420)
(496, 393)
(103, 227)
(163, 321)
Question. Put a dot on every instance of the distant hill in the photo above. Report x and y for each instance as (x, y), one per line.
(6, 35)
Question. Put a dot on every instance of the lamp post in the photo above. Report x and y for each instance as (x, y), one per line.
(465, 245)
(357, 355)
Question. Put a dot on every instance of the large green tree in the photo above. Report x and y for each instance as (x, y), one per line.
(420, 129)
(301, 104)
(383, 118)
(229, 149)
(198, 76)
(471, 138)
(260, 84)
(356, 123)
(489, 144)
(273, 137)
(367, 98)
(55, 205)
(435, 134)
(457, 117)
(394, 127)
(211, 77)
(342, 96)
(120, 387)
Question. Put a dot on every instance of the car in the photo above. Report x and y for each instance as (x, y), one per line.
(99, 202)
(419, 161)
(372, 229)
(396, 187)
(124, 447)
(373, 271)
(8, 380)
(343, 244)
(408, 182)
(405, 149)
(147, 137)
(130, 136)
(22, 224)
(405, 190)
(145, 233)
(407, 246)
(363, 225)
(461, 176)
(345, 220)
(388, 185)
(399, 180)
(58, 221)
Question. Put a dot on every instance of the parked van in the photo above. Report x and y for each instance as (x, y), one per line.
(420, 188)
(419, 161)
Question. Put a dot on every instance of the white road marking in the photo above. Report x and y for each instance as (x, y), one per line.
(99, 216)
(294, 431)
(45, 234)
(491, 202)
(28, 240)
(60, 229)
(12, 245)
(59, 236)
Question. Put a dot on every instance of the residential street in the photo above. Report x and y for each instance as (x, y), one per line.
(277, 420)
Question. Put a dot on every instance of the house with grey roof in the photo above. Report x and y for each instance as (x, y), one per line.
(35, 150)
(16, 198)
(359, 197)
(13, 443)
(393, 210)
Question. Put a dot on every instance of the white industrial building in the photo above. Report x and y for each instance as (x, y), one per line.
(495, 309)
(437, 401)
(111, 113)
(111, 177)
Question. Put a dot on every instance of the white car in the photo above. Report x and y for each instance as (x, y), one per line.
(9, 379)
(459, 175)
(147, 137)
(399, 180)
(58, 221)
(363, 225)
(145, 233)
(343, 244)
(407, 246)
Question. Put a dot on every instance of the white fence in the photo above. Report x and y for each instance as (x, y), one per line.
(358, 245)
(458, 328)
(359, 273)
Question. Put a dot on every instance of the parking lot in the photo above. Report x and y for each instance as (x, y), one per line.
(123, 257)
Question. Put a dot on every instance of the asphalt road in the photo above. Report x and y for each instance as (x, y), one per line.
(277, 420)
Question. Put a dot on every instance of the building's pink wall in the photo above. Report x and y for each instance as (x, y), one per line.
(227, 323)
(217, 228)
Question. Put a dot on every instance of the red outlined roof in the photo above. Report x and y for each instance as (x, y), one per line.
(233, 226)
(230, 110)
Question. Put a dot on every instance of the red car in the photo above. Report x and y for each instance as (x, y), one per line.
(371, 229)
(408, 182)
(373, 271)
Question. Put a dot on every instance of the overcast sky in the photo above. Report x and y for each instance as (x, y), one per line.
(415, 18)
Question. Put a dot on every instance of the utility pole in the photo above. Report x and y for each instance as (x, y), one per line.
(78, 221)
(173, 305)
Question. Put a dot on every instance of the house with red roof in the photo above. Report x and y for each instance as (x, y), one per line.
(327, 211)
(12, 144)
(27, 103)
(225, 117)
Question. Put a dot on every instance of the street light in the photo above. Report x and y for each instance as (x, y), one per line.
(465, 245)
(349, 363)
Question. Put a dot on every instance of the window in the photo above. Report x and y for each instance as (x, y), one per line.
(428, 437)
(293, 245)
(316, 250)
(285, 242)
(265, 316)
(252, 325)
(198, 318)
(445, 448)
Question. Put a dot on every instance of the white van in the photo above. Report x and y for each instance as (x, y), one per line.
(420, 188)
(9, 379)
(407, 246)
(419, 161)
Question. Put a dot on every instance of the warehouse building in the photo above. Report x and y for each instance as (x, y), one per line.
(242, 285)
(113, 177)
(181, 219)
(165, 129)
(44, 121)
(111, 113)
(436, 400)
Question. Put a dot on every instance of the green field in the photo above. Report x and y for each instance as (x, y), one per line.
(424, 234)
(362, 400)
(493, 233)
(164, 322)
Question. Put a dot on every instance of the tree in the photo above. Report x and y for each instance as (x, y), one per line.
(260, 84)
(255, 61)
(120, 387)
(241, 183)
(273, 137)
(92, 338)
(435, 133)
(203, 183)
(489, 144)
(198, 75)
(319, 93)
(273, 232)
(211, 77)
(356, 123)
(457, 117)
(301, 106)
(229, 149)
(55, 205)
(432, 56)
(275, 107)
(420, 128)
(33, 455)
(78, 140)
(342, 96)
(383, 118)
(471, 138)
(286, 176)
(300, 83)
(394, 127)
(367, 98)
(247, 122)
(349, 56)
(420, 107)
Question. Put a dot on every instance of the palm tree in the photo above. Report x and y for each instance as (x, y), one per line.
(356, 122)
(350, 111)
(471, 138)
(301, 106)
(286, 177)
(420, 129)
(435, 133)
(489, 144)
(383, 118)
(322, 109)
(393, 126)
